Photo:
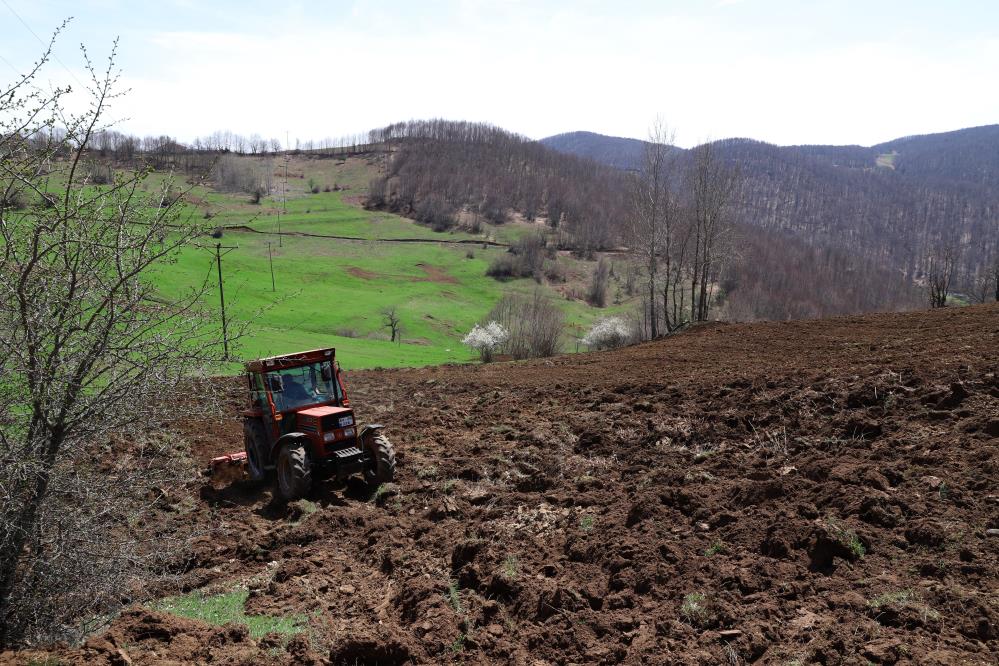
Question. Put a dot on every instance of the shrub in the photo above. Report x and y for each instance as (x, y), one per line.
(535, 325)
(608, 333)
(525, 258)
(503, 267)
(597, 294)
(486, 339)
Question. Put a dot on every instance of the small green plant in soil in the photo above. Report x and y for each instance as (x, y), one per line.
(454, 597)
(511, 567)
(586, 523)
(695, 608)
(717, 548)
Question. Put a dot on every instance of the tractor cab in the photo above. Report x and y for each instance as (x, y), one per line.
(300, 419)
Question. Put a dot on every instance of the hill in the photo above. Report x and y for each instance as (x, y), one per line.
(618, 152)
(814, 491)
(337, 266)
(894, 204)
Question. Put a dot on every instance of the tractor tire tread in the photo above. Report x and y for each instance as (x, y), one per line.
(301, 471)
(384, 454)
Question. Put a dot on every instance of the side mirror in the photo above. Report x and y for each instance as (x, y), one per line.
(275, 383)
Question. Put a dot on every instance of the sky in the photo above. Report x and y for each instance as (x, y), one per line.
(783, 71)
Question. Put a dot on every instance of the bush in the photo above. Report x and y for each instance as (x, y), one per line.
(525, 258)
(535, 325)
(436, 212)
(597, 294)
(486, 339)
(608, 333)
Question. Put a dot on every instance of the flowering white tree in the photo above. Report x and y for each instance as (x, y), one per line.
(486, 339)
(608, 333)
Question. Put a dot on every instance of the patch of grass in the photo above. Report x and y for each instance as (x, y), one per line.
(899, 598)
(448, 486)
(428, 472)
(695, 608)
(459, 643)
(380, 493)
(717, 548)
(227, 608)
(511, 567)
(847, 538)
(586, 523)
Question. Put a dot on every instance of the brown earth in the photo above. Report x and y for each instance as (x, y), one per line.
(433, 274)
(773, 493)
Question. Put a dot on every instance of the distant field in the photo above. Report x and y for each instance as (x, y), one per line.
(330, 292)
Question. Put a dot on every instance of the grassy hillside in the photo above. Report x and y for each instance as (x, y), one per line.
(330, 291)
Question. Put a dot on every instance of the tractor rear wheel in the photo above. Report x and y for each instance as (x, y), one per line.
(294, 471)
(254, 443)
(382, 468)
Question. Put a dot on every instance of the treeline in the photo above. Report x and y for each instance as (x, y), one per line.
(440, 172)
(164, 150)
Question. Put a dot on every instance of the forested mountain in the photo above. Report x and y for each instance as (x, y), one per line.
(895, 204)
(613, 151)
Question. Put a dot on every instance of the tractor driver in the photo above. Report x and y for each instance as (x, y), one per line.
(295, 392)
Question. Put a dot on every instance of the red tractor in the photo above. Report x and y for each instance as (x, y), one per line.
(300, 423)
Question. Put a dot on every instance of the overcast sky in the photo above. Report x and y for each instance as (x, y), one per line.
(784, 71)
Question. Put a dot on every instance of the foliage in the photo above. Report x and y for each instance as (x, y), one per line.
(486, 339)
(608, 333)
(88, 355)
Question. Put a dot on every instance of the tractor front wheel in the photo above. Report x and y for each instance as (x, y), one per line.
(382, 468)
(294, 471)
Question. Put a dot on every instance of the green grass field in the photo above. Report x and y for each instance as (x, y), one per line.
(330, 292)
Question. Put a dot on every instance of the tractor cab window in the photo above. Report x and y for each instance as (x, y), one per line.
(305, 385)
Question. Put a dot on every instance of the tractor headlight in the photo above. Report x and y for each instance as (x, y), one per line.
(346, 421)
(348, 432)
(328, 437)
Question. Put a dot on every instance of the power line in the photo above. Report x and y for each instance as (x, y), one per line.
(42, 42)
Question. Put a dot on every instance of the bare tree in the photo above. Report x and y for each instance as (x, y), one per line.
(391, 321)
(712, 187)
(90, 355)
(655, 211)
(941, 266)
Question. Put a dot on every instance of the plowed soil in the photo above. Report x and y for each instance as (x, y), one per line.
(774, 493)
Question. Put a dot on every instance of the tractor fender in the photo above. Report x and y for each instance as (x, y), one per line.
(369, 430)
(288, 437)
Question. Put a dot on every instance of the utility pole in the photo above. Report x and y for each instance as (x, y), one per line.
(218, 260)
(271, 260)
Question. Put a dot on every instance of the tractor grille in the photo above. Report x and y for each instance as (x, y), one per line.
(349, 452)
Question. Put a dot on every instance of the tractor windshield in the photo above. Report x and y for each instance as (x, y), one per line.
(305, 385)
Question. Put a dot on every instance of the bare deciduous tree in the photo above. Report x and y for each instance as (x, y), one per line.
(391, 321)
(90, 356)
(655, 212)
(712, 187)
(941, 265)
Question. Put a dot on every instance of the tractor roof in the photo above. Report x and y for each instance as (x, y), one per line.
(291, 360)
